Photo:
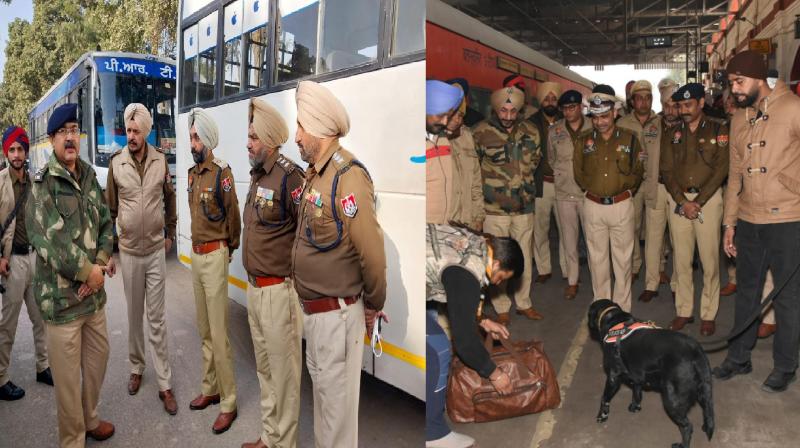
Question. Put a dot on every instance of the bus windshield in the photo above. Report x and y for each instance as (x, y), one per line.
(115, 91)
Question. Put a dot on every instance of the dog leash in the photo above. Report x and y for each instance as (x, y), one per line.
(763, 306)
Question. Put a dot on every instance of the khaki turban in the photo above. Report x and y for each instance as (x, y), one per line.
(319, 112)
(268, 123)
(462, 106)
(138, 113)
(666, 87)
(508, 95)
(206, 127)
(546, 88)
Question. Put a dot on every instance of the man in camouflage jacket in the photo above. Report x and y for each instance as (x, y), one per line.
(69, 226)
(509, 149)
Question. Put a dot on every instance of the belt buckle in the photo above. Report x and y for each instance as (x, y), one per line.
(607, 200)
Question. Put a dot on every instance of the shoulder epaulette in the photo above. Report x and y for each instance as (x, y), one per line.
(116, 153)
(39, 176)
(286, 164)
(220, 163)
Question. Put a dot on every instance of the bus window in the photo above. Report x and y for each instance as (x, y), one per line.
(189, 70)
(297, 45)
(409, 27)
(349, 34)
(163, 133)
(207, 41)
(256, 39)
(233, 49)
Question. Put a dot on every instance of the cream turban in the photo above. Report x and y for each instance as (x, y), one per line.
(508, 95)
(546, 88)
(268, 123)
(206, 127)
(319, 112)
(138, 113)
(666, 87)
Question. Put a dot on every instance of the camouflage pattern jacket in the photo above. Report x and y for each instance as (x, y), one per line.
(447, 246)
(70, 227)
(508, 162)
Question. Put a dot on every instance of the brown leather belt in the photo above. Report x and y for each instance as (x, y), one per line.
(325, 304)
(211, 246)
(550, 179)
(263, 282)
(692, 190)
(608, 200)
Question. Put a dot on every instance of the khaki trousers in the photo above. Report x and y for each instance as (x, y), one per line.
(543, 206)
(655, 226)
(519, 228)
(78, 359)
(638, 208)
(210, 281)
(604, 226)
(570, 214)
(685, 232)
(276, 327)
(19, 288)
(334, 350)
(143, 279)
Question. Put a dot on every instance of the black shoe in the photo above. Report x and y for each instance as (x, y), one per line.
(729, 369)
(10, 392)
(778, 381)
(45, 377)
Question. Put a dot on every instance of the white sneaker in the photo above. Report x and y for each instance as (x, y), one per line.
(452, 440)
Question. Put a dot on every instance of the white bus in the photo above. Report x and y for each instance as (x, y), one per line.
(370, 54)
(103, 84)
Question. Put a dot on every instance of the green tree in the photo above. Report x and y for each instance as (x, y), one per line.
(40, 52)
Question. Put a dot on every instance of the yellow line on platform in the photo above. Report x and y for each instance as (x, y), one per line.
(388, 348)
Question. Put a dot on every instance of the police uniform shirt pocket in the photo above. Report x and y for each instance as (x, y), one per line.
(267, 210)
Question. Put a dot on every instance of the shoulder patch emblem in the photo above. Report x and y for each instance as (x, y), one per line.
(676, 138)
(227, 184)
(296, 194)
(722, 140)
(349, 205)
(589, 146)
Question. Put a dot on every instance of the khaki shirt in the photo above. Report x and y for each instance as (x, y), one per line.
(438, 179)
(270, 217)
(561, 142)
(141, 200)
(209, 221)
(697, 160)
(649, 135)
(608, 167)
(345, 259)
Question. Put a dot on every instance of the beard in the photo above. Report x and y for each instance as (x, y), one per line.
(258, 160)
(550, 111)
(749, 99)
(434, 129)
(199, 157)
(309, 152)
(17, 164)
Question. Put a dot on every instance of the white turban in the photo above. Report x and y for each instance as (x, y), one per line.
(206, 127)
(268, 123)
(139, 114)
(319, 112)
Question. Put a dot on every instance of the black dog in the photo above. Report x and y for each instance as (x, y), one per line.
(652, 359)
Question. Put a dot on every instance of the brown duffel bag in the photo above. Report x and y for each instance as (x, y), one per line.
(471, 398)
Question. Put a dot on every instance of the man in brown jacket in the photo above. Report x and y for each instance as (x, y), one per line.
(762, 211)
(338, 264)
(141, 200)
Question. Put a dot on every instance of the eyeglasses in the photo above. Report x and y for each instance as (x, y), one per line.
(70, 131)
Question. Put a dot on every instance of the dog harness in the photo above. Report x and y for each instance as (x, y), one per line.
(622, 330)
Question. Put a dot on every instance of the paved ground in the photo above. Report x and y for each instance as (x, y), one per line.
(745, 415)
(388, 417)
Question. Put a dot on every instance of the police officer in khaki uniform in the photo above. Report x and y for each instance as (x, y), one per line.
(141, 200)
(270, 221)
(509, 148)
(694, 162)
(648, 127)
(548, 94)
(569, 197)
(17, 262)
(215, 235)
(608, 167)
(338, 263)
